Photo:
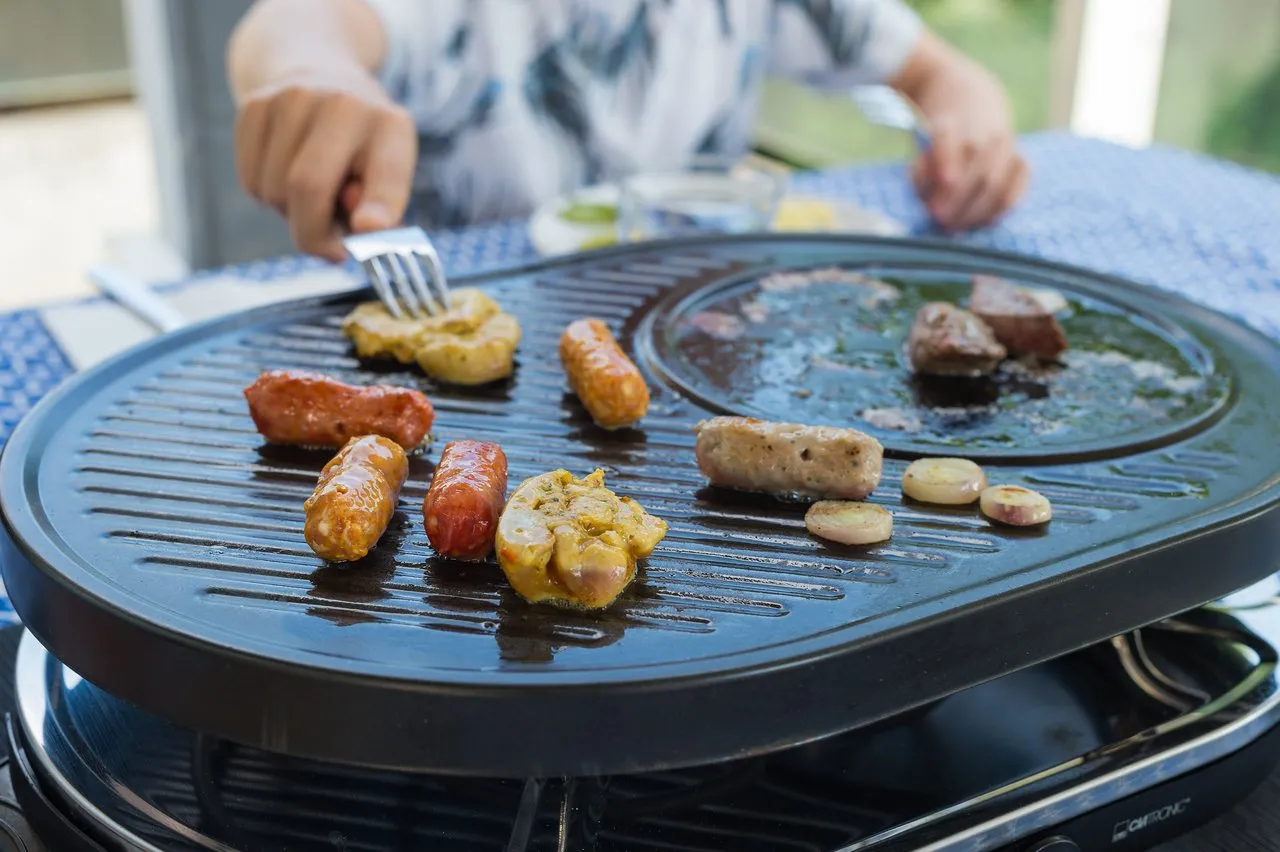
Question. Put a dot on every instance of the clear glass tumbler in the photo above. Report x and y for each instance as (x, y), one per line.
(706, 198)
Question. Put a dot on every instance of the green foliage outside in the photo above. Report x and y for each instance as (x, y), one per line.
(1247, 129)
(1220, 87)
(1011, 37)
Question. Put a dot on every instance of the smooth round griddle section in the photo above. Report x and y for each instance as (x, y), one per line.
(155, 545)
(827, 345)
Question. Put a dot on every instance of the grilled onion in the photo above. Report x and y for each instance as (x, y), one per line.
(1015, 506)
(848, 522)
(946, 482)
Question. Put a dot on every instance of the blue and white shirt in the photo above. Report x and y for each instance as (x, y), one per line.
(517, 101)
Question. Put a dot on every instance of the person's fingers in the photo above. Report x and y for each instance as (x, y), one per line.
(988, 174)
(250, 134)
(920, 176)
(943, 164)
(290, 119)
(1018, 186)
(386, 174)
(349, 198)
(999, 195)
(980, 171)
(323, 162)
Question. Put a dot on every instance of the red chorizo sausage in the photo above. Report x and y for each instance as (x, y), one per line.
(355, 498)
(466, 497)
(315, 410)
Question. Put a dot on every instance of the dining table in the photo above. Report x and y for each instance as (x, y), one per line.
(1205, 229)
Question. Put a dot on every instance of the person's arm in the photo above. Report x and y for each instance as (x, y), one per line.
(279, 38)
(972, 172)
(313, 118)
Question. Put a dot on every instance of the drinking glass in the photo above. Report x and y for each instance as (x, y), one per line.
(705, 198)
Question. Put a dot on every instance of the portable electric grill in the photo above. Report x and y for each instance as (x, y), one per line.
(155, 549)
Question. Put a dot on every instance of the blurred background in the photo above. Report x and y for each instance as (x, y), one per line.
(116, 124)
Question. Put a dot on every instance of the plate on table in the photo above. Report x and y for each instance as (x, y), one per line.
(588, 218)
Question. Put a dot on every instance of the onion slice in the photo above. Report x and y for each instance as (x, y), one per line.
(848, 522)
(944, 481)
(1015, 506)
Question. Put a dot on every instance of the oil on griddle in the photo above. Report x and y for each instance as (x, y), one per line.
(826, 346)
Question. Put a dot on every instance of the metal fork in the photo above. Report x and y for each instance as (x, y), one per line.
(884, 106)
(394, 261)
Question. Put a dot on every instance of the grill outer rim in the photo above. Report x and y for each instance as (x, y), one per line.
(297, 708)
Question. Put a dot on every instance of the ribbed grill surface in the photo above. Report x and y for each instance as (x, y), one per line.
(192, 503)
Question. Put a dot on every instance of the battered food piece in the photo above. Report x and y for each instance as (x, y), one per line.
(472, 343)
(315, 410)
(606, 381)
(788, 459)
(465, 499)
(572, 541)
(948, 341)
(355, 498)
(1021, 322)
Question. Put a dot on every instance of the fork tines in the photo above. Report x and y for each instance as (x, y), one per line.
(394, 261)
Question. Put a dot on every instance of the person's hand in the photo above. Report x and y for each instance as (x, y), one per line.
(972, 173)
(317, 142)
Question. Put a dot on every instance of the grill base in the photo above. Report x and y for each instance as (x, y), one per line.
(955, 777)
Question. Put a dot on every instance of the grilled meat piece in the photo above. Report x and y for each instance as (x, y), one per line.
(573, 542)
(788, 459)
(950, 341)
(467, 493)
(355, 498)
(607, 382)
(315, 410)
(472, 343)
(1021, 322)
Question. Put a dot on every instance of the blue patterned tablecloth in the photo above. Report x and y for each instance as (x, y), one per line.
(1199, 227)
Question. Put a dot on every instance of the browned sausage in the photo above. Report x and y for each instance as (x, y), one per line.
(315, 410)
(600, 373)
(466, 497)
(824, 462)
(355, 498)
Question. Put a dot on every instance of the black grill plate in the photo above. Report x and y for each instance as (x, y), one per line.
(156, 548)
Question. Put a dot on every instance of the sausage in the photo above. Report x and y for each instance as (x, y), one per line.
(465, 499)
(315, 410)
(788, 459)
(606, 381)
(355, 498)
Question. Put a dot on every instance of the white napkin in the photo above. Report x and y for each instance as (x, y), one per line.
(94, 331)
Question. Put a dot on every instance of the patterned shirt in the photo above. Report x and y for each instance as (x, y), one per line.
(517, 101)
